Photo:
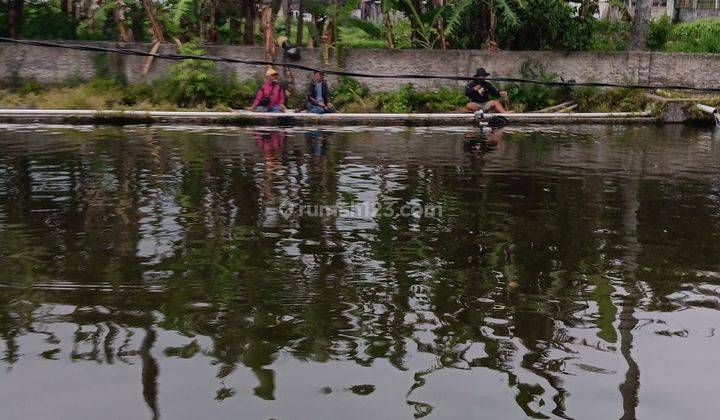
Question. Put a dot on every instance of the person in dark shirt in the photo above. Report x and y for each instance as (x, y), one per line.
(480, 92)
(318, 95)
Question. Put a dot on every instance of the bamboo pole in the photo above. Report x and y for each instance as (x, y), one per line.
(556, 107)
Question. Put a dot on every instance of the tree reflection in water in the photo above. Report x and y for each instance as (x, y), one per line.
(131, 236)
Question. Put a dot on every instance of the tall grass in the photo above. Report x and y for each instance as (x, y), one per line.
(702, 36)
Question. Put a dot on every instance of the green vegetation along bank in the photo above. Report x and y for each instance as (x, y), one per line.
(451, 24)
(198, 85)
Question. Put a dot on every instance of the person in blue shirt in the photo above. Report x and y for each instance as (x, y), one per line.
(319, 95)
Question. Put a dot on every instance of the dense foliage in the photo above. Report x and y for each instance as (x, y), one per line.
(658, 33)
(352, 96)
(547, 25)
(702, 36)
(195, 82)
(504, 24)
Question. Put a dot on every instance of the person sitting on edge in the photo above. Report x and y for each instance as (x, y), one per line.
(271, 96)
(318, 95)
(479, 92)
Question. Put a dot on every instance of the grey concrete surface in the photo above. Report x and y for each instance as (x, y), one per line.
(19, 62)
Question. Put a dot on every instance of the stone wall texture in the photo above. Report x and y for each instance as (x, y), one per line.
(47, 65)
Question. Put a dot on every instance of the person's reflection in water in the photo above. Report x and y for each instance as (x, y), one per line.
(272, 145)
(479, 142)
(317, 145)
(270, 142)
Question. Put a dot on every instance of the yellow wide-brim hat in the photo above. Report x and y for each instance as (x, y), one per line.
(271, 72)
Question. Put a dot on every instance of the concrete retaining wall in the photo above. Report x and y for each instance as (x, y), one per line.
(703, 70)
(691, 15)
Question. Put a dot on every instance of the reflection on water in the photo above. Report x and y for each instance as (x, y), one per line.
(572, 273)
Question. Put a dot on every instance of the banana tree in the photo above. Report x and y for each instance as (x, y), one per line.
(441, 24)
(428, 26)
(475, 19)
(424, 24)
(376, 31)
(386, 6)
(328, 17)
(97, 14)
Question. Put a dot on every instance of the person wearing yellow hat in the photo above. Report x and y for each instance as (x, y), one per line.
(271, 96)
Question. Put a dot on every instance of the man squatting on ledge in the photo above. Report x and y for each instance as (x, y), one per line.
(479, 91)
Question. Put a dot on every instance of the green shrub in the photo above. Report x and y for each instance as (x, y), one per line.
(536, 96)
(46, 21)
(298, 99)
(349, 95)
(658, 33)
(397, 102)
(609, 35)
(441, 100)
(348, 91)
(242, 93)
(702, 36)
(139, 92)
(592, 99)
(29, 87)
(193, 82)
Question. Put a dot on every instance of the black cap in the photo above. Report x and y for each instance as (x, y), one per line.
(481, 72)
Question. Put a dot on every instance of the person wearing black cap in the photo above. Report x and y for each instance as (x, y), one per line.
(480, 91)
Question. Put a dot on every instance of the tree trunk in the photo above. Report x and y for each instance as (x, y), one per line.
(287, 10)
(138, 21)
(158, 36)
(92, 8)
(234, 26)
(268, 30)
(121, 10)
(330, 32)
(300, 23)
(639, 28)
(15, 17)
(493, 25)
(414, 24)
(65, 6)
(249, 34)
(154, 23)
(326, 41)
(441, 26)
(483, 31)
(335, 24)
(389, 33)
(313, 31)
(214, 36)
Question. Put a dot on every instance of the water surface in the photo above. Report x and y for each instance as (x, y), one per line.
(151, 272)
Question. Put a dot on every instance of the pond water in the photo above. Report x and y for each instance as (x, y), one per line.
(358, 273)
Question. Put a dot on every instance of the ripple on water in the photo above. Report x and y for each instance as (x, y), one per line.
(157, 259)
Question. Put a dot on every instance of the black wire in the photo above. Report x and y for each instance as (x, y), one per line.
(172, 56)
